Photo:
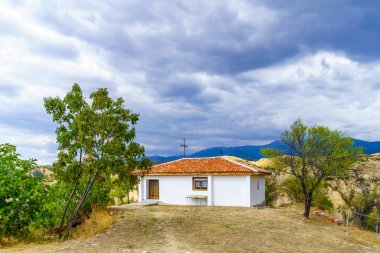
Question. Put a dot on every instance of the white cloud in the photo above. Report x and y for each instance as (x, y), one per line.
(325, 87)
(221, 73)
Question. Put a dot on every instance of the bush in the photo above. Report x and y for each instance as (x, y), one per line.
(367, 204)
(272, 190)
(322, 201)
(370, 222)
(99, 196)
(53, 207)
(293, 189)
(22, 195)
(29, 207)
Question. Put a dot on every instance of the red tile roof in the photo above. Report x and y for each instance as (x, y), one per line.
(212, 165)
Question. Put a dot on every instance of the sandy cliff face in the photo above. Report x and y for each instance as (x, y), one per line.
(368, 168)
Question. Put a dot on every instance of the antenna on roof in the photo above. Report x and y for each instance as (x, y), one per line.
(184, 147)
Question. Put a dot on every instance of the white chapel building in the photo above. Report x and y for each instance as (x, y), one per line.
(214, 181)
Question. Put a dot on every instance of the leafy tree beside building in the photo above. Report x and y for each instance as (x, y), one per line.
(315, 154)
(96, 138)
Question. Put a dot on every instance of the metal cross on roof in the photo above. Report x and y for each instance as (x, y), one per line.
(184, 147)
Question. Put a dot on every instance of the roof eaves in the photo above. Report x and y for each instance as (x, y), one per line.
(169, 162)
(205, 174)
(242, 164)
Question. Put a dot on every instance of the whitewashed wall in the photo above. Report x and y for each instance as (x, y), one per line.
(257, 190)
(222, 190)
(174, 189)
(231, 190)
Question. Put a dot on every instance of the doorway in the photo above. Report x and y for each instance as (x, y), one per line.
(154, 192)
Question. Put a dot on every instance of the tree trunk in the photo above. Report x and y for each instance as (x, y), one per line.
(66, 207)
(307, 209)
(70, 198)
(308, 199)
(82, 199)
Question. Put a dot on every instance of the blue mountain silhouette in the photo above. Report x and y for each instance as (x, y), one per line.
(252, 153)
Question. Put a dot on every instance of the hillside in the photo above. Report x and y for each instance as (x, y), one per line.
(216, 229)
(369, 168)
(253, 153)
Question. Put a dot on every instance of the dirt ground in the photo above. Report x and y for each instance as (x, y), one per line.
(216, 229)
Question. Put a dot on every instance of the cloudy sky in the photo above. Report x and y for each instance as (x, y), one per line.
(220, 73)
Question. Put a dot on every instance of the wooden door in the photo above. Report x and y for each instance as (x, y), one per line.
(154, 192)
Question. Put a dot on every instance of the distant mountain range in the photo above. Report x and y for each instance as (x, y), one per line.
(254, 152)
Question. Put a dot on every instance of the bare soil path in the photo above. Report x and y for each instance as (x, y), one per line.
(215, 229)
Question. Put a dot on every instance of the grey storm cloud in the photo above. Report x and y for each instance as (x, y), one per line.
(220, 73)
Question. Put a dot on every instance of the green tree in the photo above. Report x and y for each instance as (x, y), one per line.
(313, 155)
(122, 187)
(293, 190)
(21, 194)
(96, 141)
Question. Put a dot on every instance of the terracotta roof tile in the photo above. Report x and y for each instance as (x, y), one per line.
(212, 165)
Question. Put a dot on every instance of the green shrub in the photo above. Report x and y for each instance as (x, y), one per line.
(99, 196)
(22, 195)
(272, 190)
(293, 190)
(366, 204)
(322, 201)
(53, 207)
(370, 222)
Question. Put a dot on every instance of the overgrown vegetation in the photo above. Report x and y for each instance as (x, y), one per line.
(21, 194)
(97, 152)
(361, 193)
(122, 187)
(293, 189)
(314, 154)
(272, 189)
(96, 142)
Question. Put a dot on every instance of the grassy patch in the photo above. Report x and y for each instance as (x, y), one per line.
(97, 222)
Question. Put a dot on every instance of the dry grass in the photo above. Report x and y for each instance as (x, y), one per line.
(97, 222)
(217, 229)
(263, 162)
(8, 241)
